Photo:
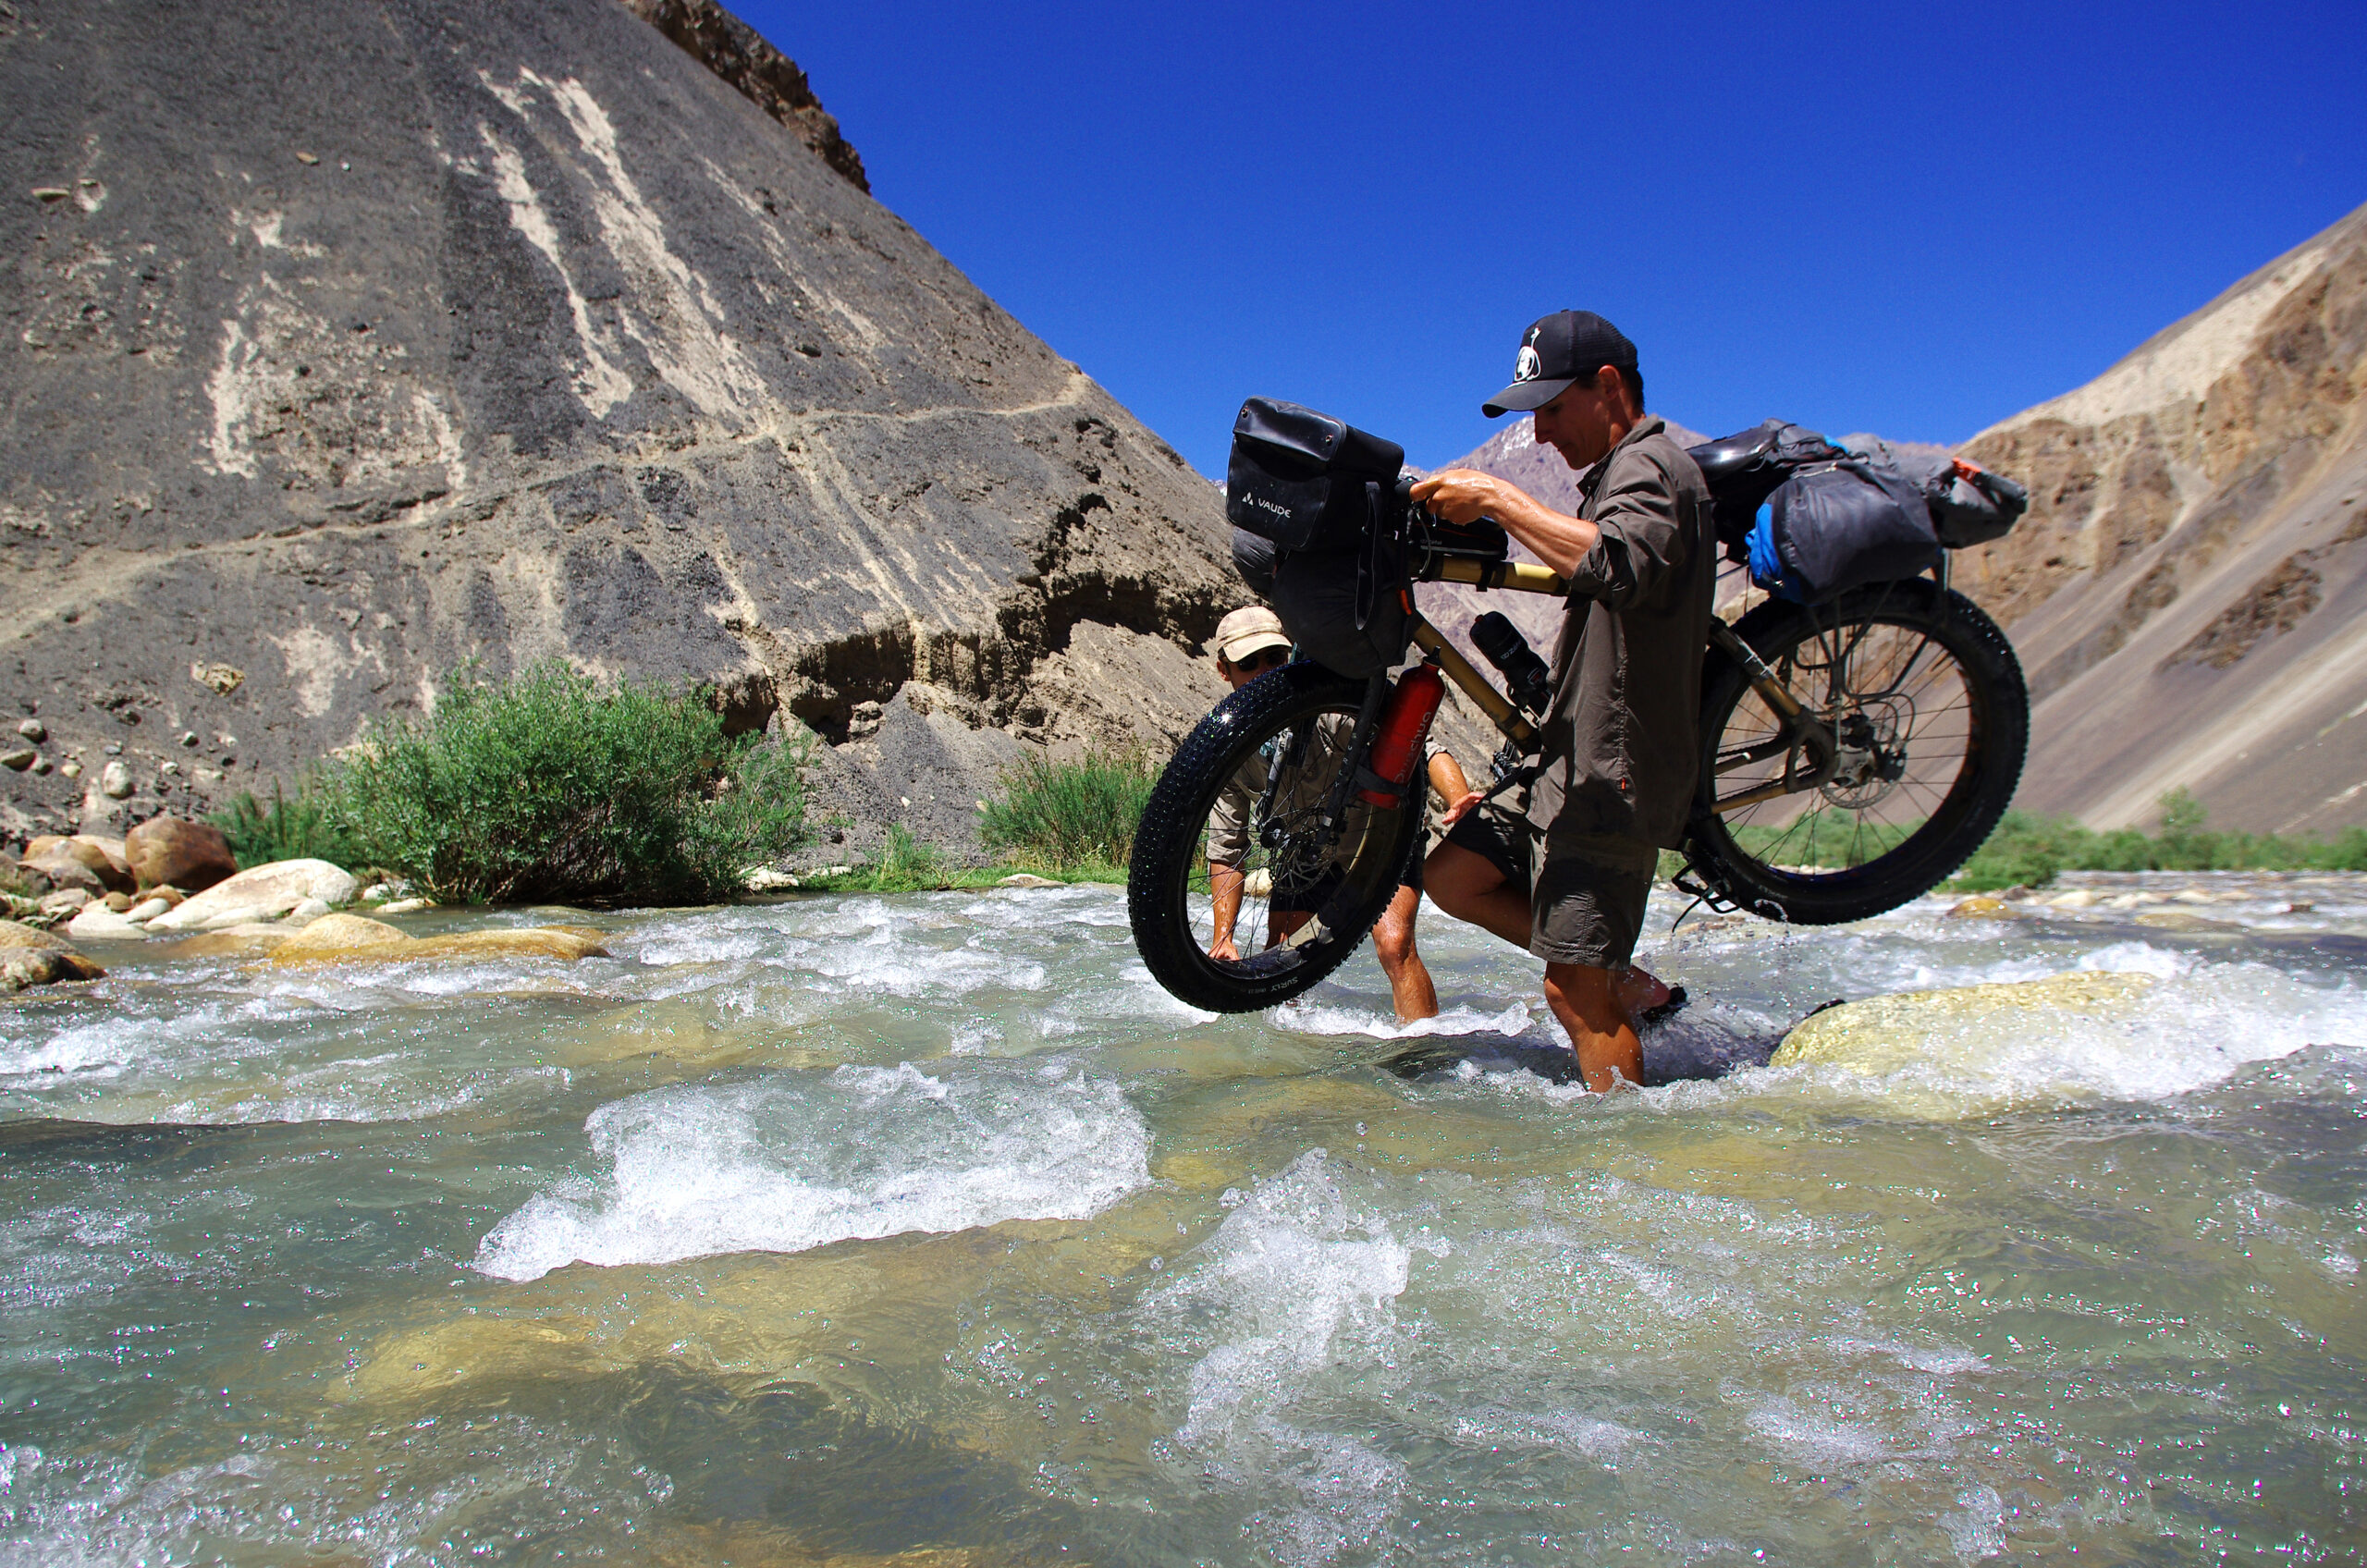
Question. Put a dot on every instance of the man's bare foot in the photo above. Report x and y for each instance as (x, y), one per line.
(1640, 991)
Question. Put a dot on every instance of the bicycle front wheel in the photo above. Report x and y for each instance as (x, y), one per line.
(1923, 722)
(1251, 779)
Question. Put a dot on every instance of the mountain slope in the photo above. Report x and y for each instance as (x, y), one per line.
(2188, 592)
(350, 341)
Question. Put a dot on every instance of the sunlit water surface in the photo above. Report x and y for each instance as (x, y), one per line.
(862, 1227)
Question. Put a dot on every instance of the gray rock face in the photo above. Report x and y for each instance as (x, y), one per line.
(348, 342)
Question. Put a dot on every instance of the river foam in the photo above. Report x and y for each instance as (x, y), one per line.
(799, 1160)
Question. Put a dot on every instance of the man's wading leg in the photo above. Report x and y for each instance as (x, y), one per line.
(1587, 1001)
(1225, 884)
(1393, 942)
(1470, 887)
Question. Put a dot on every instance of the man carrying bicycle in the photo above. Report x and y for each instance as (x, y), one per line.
(1620, 750)
(1248, 642)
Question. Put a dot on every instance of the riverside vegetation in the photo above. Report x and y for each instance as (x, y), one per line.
(553, 787)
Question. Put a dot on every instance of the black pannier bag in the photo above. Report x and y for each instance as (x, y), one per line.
(1305, 480)
(1346, 608)
(1255, 557)
(1834, 526)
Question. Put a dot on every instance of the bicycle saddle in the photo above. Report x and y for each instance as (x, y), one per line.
(1731, 455)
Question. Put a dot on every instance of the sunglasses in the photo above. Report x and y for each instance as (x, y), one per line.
(1264, 659)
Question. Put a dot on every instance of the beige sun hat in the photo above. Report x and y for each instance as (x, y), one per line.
(1247, 630)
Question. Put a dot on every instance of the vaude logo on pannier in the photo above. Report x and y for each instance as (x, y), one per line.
(1306, 480)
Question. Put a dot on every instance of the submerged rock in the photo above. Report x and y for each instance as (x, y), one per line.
(249, 940)
(260, 894)
(1983, 907)
(1886, 1034)
(351, 938)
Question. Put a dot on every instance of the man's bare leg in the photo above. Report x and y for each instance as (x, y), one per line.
(1393, 943)
(1470, 887)
(1586, 1001)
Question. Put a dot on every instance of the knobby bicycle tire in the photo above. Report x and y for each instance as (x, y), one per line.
(1930, 657)
(1168, 853)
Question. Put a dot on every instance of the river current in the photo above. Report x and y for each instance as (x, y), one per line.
(927, 1228)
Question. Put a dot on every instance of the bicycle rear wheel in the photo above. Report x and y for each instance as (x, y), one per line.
(1927, 719)
(1298, 718)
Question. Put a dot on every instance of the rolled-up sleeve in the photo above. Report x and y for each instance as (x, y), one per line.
(1644, 548)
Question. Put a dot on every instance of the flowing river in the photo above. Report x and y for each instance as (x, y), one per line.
(928, 1229)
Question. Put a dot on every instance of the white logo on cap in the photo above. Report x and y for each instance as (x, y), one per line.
(1528, 366)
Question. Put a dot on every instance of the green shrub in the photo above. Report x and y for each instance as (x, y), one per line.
(2026, 851)
(304, 828)
(552, 786)
(902, 865)
(2029, 850)
(1069, 816)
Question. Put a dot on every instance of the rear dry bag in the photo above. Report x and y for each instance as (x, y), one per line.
(1307, 481)
(1744, 469)
(1969, 504)
(1832, 527)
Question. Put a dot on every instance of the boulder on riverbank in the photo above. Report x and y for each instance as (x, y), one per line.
(263, 892)
(87, 860)
(172, 851)
(29, 956)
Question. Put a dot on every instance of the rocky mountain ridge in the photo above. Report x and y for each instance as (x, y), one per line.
(350, 343)
(2188, 592)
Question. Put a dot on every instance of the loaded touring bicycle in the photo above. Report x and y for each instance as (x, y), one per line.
(1861, 729)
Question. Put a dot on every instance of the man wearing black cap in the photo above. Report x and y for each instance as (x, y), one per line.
(1616, 777)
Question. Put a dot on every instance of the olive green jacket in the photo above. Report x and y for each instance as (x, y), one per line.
(1622, 750)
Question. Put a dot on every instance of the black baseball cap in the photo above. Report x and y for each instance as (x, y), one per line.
(1565, 347)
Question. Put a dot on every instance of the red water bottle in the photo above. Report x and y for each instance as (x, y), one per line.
(1397, 738)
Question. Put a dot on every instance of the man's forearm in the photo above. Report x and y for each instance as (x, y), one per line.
(1446, 778)
(1465, 494)
(1558, 539)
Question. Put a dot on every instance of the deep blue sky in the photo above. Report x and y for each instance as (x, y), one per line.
(1899, 219)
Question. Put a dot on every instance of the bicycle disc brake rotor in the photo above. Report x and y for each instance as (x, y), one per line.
(1871, 758)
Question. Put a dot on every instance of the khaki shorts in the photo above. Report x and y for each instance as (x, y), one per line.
(1586, 904)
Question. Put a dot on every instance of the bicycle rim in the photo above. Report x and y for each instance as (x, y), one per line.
(1257, 775)
(1925, 707)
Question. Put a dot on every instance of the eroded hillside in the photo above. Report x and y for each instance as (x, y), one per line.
(2188, 592)
(352, 342)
